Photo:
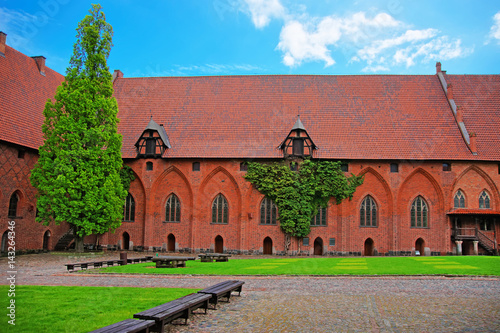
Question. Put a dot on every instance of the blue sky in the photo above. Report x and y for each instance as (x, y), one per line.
(246, 37)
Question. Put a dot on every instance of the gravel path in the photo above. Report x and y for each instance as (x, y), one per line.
(307, 304)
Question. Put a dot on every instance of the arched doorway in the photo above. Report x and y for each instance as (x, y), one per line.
(318, 247)
(125, 241)
(4, 241)
(419, 246)
(46, 240)
(268, 245)
(219, 245)
(171, 243)
(369, 245)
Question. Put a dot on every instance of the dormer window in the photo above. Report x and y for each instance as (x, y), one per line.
(153, 141)
(298, 143)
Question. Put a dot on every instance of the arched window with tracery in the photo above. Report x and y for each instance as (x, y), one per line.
(320, 218)
(368, 212)
(173, 209)
(419, 213)
(484, 200)
(220, 210)
(459, 200)
(129, 209)
(268, 211)
(14, 200)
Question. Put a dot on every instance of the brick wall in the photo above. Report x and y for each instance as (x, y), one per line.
(196, 190)
(15, 165)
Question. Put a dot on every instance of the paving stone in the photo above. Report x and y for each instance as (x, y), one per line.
(307, 304)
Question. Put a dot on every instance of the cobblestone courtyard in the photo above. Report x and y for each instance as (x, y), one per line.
(309, 304)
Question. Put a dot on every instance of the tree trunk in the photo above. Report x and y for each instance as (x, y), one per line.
(78, 241)
(287, 242)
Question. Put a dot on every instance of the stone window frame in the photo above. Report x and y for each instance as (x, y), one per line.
(129, 208)
(175, 211)
(268, 212)
(366, 221)
(419, 210)
(220, 209)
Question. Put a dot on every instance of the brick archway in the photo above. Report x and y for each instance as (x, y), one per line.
(369, 247)
(268, 246)
(219, 244)
(171, 243)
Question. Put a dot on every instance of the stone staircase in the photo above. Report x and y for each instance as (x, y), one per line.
(65, 240)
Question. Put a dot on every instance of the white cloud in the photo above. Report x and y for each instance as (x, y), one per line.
(374, 69)
(436, 49)
(263, 10)
(311, 41)
(369, 53)
(379, 41)
(299, 44)
(19, 27)
(495, 29)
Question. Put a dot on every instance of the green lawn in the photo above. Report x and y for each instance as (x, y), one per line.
(79, 309)
(453, 265)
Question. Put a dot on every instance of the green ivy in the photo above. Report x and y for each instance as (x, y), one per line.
(298, 195)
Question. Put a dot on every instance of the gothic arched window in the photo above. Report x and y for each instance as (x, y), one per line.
(220, 210)
(484, 200)
(368, 212)
(129, 209)
(459, 200)
(419, 213)
(268, 211)
(173, 209)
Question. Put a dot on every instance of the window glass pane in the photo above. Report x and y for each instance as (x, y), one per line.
(413, 215)
(150, 146)
(14, 199)
(362, 215)
(214, 211)
(298, 147)
(226, 211)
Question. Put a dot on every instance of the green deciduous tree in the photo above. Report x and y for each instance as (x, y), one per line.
(298, 195)
(78, 171)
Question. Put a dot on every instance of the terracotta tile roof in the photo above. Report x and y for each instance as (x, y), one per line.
(466, 211)
(393, 117)
(24, 92)
(347, 117)
(478, 96)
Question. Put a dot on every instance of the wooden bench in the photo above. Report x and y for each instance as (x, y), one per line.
(127, 325)
(82, 265)
(179, 308)
(171, 262)
(94, 264)
(210, 257)
(223, 289)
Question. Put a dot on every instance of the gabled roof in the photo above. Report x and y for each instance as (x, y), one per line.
(478, 96)
(393, 117)
(396, 117)
(152, 125)
(298, 126)
(24, 92)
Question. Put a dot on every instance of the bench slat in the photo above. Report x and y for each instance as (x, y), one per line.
(172, 306)
(127, 325)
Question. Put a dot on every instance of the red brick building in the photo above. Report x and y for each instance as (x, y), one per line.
(427, 145)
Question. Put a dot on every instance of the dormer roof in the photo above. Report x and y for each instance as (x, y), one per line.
(153, 141)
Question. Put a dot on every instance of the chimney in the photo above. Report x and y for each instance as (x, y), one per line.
(449, 91)
(438, 67)
(460, 118)
(473, 146)
(40, 62)
(3, 39)
(117, 74)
